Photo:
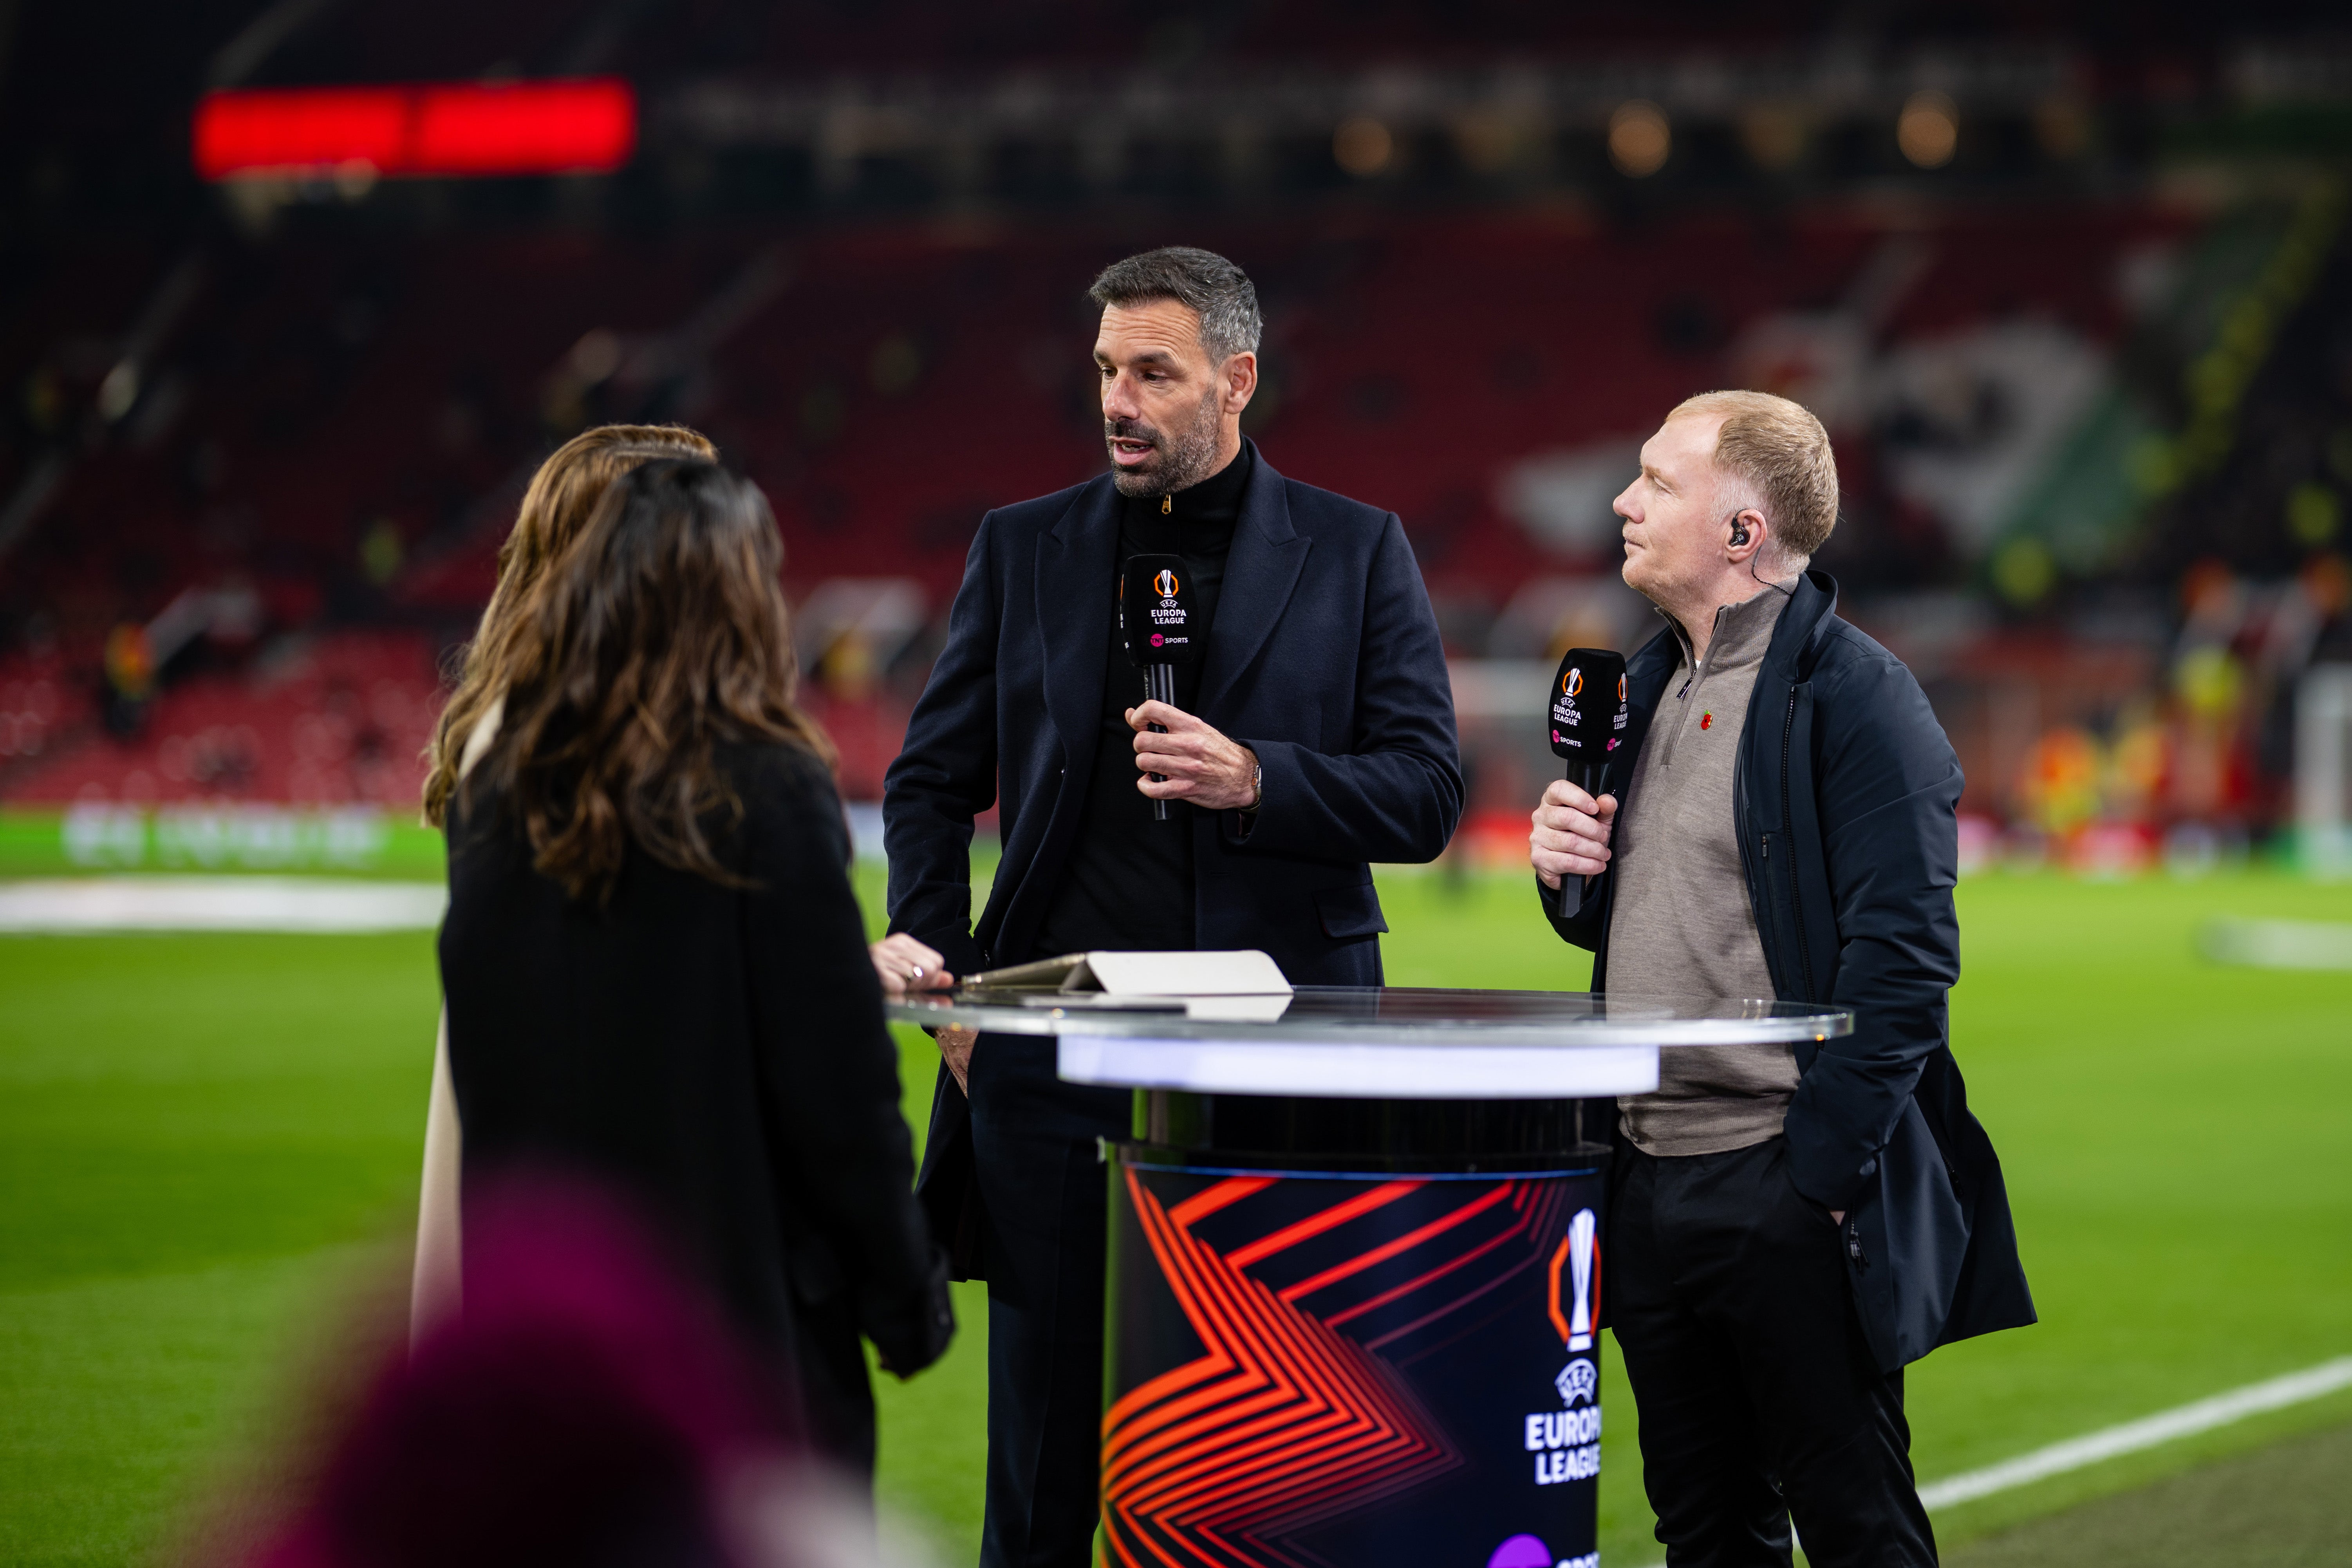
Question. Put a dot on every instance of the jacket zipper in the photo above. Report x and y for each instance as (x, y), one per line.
(1788, 829)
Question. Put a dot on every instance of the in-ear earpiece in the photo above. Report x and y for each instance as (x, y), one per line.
(1739, 533)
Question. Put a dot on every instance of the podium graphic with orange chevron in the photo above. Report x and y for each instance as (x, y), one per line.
(1309, 1369)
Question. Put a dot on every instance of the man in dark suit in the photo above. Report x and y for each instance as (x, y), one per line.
(1790, 1226)
(1316, 736)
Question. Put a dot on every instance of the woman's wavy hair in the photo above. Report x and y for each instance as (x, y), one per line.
(555, 508)
(660, 635)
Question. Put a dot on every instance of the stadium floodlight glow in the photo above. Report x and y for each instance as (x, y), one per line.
(1640, 138)
(587, 125)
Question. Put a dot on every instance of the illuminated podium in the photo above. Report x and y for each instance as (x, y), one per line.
(1356, 1253)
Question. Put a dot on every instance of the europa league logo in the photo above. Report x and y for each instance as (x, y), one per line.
(1580, 1251)
(1572, 683)
(1164, 584)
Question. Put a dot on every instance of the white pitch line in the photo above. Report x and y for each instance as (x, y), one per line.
(2279, 944)
(94, 904)
(2147, 1432)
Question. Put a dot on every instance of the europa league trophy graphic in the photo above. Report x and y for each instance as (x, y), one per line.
(1580, 1269)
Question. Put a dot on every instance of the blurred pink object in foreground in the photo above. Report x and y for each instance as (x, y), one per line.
(584, 1409)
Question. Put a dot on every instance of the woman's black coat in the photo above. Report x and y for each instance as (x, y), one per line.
(717, 1056)
(1845, 801)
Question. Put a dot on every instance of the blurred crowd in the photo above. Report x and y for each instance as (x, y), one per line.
(2073, 301)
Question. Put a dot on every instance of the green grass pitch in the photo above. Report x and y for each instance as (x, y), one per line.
(208, 1147)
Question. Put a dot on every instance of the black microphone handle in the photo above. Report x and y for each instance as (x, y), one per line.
(1592, 778)
(1160, 686)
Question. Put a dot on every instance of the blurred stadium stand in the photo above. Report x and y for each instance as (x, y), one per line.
(2072, 297)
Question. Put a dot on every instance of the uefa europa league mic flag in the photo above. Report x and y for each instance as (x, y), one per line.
(1587, 725)
(1155, 611)
(1155, 623)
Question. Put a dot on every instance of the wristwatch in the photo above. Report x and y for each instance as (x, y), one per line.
(1245, 818)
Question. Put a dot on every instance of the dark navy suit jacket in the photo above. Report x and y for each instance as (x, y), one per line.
(1324, 659)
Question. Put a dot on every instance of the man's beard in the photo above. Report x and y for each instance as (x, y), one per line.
(1184, 457)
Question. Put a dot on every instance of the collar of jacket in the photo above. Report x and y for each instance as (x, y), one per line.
(1772, 794)
(1805, 626)
(1789, 663)
(1742, 633)
(1076, 562)
(1795, 647)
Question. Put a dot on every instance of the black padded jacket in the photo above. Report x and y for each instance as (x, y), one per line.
(1846, 799)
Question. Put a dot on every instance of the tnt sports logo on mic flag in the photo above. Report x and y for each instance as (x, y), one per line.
(1165, 583)
(1571, 683)
(1157, 639)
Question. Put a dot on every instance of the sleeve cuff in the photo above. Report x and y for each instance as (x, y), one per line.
(1238, 828)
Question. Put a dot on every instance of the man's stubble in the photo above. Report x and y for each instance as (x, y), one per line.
(1189, 456)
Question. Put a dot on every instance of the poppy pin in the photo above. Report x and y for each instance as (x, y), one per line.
(1707, 720)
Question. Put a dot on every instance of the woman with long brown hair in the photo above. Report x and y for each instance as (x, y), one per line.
(655, 968)
(555, 508)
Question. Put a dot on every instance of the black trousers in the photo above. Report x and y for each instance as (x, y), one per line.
(1759, 1398)
(1042, 1190)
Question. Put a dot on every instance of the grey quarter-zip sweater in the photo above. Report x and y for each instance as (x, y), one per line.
(1682, 925)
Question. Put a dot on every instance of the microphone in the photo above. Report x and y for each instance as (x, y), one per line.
(1155, 622)
(1587, 717)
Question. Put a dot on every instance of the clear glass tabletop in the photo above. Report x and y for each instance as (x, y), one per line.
(1390, 1016)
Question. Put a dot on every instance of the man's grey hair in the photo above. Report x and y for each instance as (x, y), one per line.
(1215, 289)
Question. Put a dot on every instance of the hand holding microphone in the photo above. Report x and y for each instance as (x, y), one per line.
(1182, 758)
(1572, 833)
(1585, 720)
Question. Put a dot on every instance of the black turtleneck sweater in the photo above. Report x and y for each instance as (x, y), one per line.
(1121, 852)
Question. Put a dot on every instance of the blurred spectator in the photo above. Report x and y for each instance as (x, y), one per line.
(587, 1410)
